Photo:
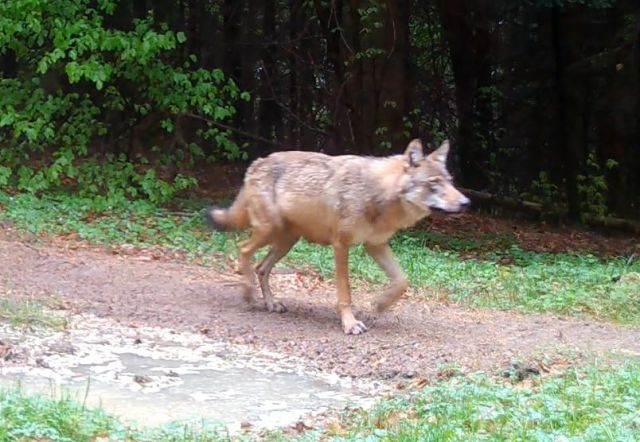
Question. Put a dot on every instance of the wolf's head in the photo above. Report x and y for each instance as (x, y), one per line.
(429, 184)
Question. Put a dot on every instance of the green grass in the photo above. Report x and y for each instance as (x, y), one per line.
(588, 404)
(139, 222)
(542, 282)
(38, 417)
(25, 313)
(46, 418)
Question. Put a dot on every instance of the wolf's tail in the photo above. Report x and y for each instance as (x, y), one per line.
(235, 217)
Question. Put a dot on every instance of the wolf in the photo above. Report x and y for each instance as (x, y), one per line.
(339, 201)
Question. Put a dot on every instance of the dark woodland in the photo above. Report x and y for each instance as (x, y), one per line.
(540, 98)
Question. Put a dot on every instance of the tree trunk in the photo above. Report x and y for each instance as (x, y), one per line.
(570, 116)
(232, 12)
(467, 29)
(270, 113)
(342, 137)
(393, 77)
(618, 122)
(250, 57)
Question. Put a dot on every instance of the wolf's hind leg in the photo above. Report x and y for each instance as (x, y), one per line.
(279, 249)
(383, 255)
(257, 240)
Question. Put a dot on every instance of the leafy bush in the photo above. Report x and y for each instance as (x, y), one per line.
(79, 82)
(592, 187)
(543, 190)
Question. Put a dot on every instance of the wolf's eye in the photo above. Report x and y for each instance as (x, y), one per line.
(433, 183)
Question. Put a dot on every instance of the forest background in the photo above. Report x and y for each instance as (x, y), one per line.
(128, 98)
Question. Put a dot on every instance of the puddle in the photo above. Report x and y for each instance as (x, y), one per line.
(153, 376)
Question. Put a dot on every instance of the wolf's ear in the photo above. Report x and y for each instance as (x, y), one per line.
(440, 154)
(414, 152)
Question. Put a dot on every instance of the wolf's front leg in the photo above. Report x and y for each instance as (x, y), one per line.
(350, 324)
(383, 255)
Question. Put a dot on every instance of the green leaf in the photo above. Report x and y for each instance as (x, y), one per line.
(5, 174)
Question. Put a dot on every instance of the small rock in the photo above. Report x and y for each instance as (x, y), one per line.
(519, 372)
(14, 355)
(5, 350)
(389, 374)
(301, 427)
(141, 379)
(62, 347)
(42, 363)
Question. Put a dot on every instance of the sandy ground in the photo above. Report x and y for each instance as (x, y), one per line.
(417, 340)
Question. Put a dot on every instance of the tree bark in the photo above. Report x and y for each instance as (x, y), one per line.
(570, 115)
(270, 113)
(232, 12)
(394, 76)
(467, 29)
(618, 125)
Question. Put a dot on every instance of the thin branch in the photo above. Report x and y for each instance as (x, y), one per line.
(286, 108)
(395, 38)
(236, 130)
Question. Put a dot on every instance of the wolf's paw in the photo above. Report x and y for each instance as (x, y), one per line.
(276, 307)
(355, 328)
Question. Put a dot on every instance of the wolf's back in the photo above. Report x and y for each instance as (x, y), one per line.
(299, 188)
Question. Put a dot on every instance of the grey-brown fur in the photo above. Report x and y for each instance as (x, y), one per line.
(338, 201)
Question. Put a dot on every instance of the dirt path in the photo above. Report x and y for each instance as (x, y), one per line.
(413, 341)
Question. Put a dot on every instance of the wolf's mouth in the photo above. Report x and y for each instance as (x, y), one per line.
(460, 208)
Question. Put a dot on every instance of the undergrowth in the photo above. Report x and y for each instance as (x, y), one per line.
(586, 404)
(24, 313)
(544, 282)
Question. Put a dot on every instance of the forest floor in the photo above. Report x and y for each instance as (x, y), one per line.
(143, 299)
(137, 287)
(417, 343)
